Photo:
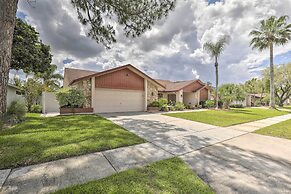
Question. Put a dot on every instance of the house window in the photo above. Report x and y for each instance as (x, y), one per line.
(152, 93)
(160, 95)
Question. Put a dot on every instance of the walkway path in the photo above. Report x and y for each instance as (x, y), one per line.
(167, 137)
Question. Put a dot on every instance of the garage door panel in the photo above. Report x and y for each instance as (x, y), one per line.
(112, 100)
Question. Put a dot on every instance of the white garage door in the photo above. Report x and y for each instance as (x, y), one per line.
(113, 100)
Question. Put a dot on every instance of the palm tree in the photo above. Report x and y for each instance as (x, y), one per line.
(215, 50)
(271, 32)
(51, 80)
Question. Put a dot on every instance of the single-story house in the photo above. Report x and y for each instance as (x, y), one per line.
(250, 100)
(190, 92)
(13, 94)
(127, 89)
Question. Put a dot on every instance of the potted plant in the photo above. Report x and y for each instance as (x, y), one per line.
(71, 100)
(154, 106)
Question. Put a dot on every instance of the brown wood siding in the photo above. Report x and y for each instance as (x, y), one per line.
(203, 94)
(192, 87)
(122, 79)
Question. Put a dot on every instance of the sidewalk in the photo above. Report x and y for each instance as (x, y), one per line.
(55, 175)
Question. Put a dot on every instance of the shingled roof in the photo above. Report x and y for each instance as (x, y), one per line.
(175, 86)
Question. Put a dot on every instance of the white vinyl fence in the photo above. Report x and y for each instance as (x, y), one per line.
(49, 103)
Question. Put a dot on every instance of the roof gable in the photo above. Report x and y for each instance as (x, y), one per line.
(129, 66)
(71, 74)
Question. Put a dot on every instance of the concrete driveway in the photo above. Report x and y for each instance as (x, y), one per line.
(174, 135)
(230, 160)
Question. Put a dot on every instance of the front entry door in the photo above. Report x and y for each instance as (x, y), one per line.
(172, 98)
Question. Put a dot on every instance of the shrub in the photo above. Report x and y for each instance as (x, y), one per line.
(187, 106)
(165, 108)
(258, 103)
(179, 106)
(236, 106)
(209, 103)
(154, 104)
(71, 98)
(202, 103)
(36, 108)
(162, 102)
(15, 112)
(172, 108)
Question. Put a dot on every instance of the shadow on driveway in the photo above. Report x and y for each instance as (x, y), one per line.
(229, 169)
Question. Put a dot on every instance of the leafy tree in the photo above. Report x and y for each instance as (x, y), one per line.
(229, 93)
(51, 79)
(272, 31)
(28, 52)
(215, 50)
(32, 91)
(134, 16)
(282, 82)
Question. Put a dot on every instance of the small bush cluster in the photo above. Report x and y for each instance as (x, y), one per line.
(202, 104)
(154, 104)
(164, 105)
(179, 106)
(15, 113)
(209, 104)
(36, 108)
(71, 98)
(163, 102)
(236, 106)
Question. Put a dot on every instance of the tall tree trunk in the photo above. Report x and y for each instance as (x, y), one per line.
(216, 82)
(272, 91)
(7, 23)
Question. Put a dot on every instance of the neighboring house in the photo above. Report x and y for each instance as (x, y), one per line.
(250, 100)
(121, 89)
(13, 94)
(190, 92)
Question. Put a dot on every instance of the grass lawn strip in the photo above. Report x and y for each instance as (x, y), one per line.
(282, 130)
(224, 118)
(167, 176)
(42, 139)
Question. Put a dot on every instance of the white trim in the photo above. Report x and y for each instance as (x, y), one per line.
(145, 94)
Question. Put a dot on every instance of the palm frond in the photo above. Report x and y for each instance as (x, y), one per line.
(271, 31)
(215, 49)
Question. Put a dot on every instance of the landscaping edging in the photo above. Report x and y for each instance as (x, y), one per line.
(75, 110)
(153, 109)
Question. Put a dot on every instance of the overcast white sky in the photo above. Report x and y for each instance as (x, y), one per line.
(172, 49)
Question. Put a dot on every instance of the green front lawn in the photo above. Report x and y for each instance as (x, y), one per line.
(282, 130)
(230, 117)
(40, 139)
(167, 176)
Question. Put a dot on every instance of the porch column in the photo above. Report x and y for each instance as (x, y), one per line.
(92, 92)
(198, 97)
(179, 96)
(145, 94)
